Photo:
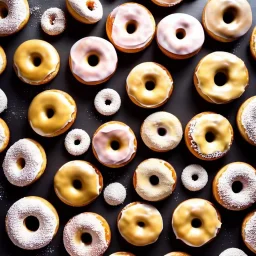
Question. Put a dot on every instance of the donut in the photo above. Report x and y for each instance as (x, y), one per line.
(107, 102)
(14, 15)
(122, 254)
(78, 183)
(93, 60)
(249, 231)
(233, 252)
(177, 254)
(166, 3)
(227, 20)
(253, 43)
(24, 162)
(196, 222)
(221, 77)
(17, 223)
(3, 59)
(234, 186)
(130, 27)
(36, 62)
(4, 135)
(209, 136)
(88, 12)
(51, 113)
(194, 177)
(140, 224)
(161, 131)
(86, 234)
(114, 144)
(154, 179)
(77, 142)
(114, 194)
(53, 21)
(3, 101)
(180, 36)
(246, 120)
(149, 85)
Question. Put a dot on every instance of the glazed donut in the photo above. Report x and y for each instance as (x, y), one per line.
(3, 59)
(161, 131)
(154, 179)
(180, 36)
(24, 162)
(209, 136)
(16, 226)
(92, 60)
(114, 144)
(246, 120)
(3, 101)
(233, 252)
(140, 224)
(221, 77)
(122, 254)
(107, 102)
(196, 222)
(78, 183)
(88, 11)
(177, 254)
(77, 142)
(227, 20)
(36, 62)
(194, 177)
(14, 15)
(4, 135)
(114, 194)
(53, 21)
(249, 231)
(51, 113)
(149, 85)
(130, 27)
(166, 3)
(253, 43)
(86, 234)
(223, 191)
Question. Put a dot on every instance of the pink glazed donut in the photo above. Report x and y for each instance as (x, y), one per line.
(92, 60)
(180, 36)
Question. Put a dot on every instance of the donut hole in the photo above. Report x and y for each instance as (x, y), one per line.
(220, 79)
(77, 184)
(180, 33)
(77, 142)
(86, 238)
(131, 26)
(90, 5)
(229, 15)
(36, 60)
(194, 177)
(108, 102)
(50, 113)
(210, 137)
(154, 180)
(3, 10)
(150, 85)
(196, 223)
(161, 131)
(21, 163)
(141, 224)
(31, 223)
(115, 145)
(52, 19)
(237, 186)
(93, 60)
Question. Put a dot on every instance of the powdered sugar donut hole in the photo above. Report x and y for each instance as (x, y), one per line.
(114, 194)
(77, 142)
(194, 177)
(107, 102)
(53, 21)
(233, 252)
(3, 101)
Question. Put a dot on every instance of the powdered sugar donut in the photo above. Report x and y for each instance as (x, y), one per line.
(86, 234)
(194, 177)
(115, 194)
(180, 36)
(3, 61)
(17, 229)
(233, 252)
(234, 186)
(24, 162)
(3, 101)
(249, 231)
(53, 21)
(161, 131)
(4, 135)
(77, 142)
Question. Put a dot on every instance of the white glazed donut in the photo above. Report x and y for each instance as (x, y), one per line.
(39, 208)
(88, 223)
(233, 252)
(187, 28)
(197, 183)
(3, 101)
(107, 102)
(161, 131)
(84, 49)
(77, 142)
(53, 21)
(114, 194)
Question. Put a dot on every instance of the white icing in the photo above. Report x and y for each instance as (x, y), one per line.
(145, 27)
(168, 27)
(114, 194)
(3, 101)
(168, 3)
(233, 252)
(107, 95)
(2, 136)
(27, 150)
(90, 46)
(250, 231)
(85, 223)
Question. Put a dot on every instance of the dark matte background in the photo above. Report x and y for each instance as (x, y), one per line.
(184, 103)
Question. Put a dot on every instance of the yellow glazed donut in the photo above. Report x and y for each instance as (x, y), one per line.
(78, 183)
(196, 222)
(51, 113)
(149, 85)
(3, 60)
(4, 135)
(140, 224)
(253, 43)
(227, 20)
(122, 254)
(249, 231)
(177, 254)
(208, 136)
(221, 77)
(36, 62)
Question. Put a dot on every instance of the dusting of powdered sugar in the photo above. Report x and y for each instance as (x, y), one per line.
(3, 101)
(114, 194)
(250, 231)
(233, 252)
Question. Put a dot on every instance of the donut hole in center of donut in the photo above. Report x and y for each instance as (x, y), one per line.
(237, 186)
(150, 85)
(141, 224)
(52, 19)
(36, 59)
(154, 180)
(220, 79)
(90, 5)
(21, 163)
(194, 177)
(108, 102)
(229, 15)
(180, 33)
(131, 26)
(93, 60)
(86, 238)
(77, 184)
(210, 137)
(196, 223)
(77, 142)
(49, 113)
(161, 131)
(31, 223)
(3, 10)
(115, 145)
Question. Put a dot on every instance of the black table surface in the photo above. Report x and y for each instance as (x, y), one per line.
(184, 103)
